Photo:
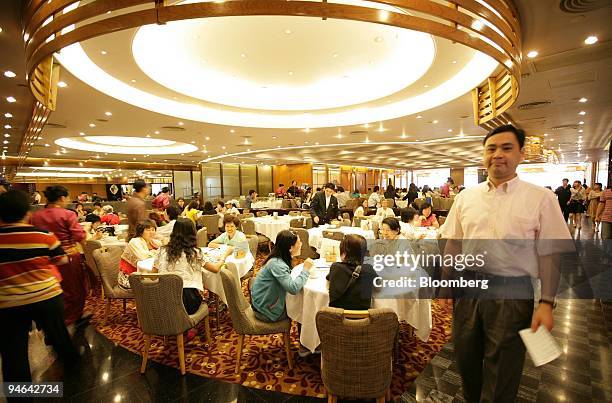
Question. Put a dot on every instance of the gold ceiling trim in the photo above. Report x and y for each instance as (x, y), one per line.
(467, 22)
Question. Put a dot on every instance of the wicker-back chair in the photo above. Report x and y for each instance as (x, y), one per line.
(211, 223)
(261, 213)
(159, 303)
(244, 321)
(356, 352)
(296, 223)
(335, 235)
(107, 261)
(294, 213)
(390, 203)
(307, 251)
(202, 237)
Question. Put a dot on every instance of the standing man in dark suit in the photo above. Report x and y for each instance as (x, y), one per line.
(563, 196)
(324, 206)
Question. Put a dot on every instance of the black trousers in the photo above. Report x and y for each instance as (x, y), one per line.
(488, 349)
(565, 210)
(191, 300)
(16, 325)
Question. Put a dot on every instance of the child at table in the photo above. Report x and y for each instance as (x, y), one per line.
(351, 281)
(182, 257)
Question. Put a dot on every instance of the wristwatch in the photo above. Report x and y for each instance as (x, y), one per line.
(553, 303)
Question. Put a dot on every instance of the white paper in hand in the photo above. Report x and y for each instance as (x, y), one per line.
(541, 346)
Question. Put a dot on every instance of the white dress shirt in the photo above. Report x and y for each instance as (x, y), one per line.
(327, 200)
(512, 214)
(385, 212)
(374, 200)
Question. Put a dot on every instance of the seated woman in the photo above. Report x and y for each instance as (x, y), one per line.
(95, 231)
(180, 204)
(142, 246)
(392, 240)
(192, 212)
(109, 217)
(231, 209)
(410, 220)
(384, 210)
(356, 194)
(274, 279)
(232, 236)
(351, 281)
(428, 219)
(181, 256)
(97, 210)
(208, 209)
(220, 208)
(80, 211)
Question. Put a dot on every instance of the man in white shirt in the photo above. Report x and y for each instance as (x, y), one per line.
(375, 198)
(342, 197)
(384, 211)
(520, 231)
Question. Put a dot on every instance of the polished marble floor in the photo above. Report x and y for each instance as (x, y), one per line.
(583, 328)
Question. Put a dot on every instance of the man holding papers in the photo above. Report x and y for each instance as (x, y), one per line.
(520, 230)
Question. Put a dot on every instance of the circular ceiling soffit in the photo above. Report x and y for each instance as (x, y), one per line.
(126, 145)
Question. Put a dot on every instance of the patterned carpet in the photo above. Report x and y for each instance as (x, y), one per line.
(264, 364)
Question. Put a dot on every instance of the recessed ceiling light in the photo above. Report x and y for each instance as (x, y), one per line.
(232, 131)
(8, 115)
(81, 133)
(92, 125)
(335, 55)
(581, 122)
(223, 147)
(181, 123)
(378, 39)
(156, 132)
(582, 113)
(243, 55)
(426, 86)
(62, 84)
(8, 126)
(47, 145)
(103, 52)
(419, 117)
(7, 135)
(207, 138)
(580, 131)
(288, 31)
(450, 130)
(108, 113)
(582, 100)
(148, 135)
(132, 80)
(9, 74)
(435, 121)
(532, 54)
(477, 25)
(316, 143)
(11, 99)
(454, 62)
(591, 40)
(290, 73)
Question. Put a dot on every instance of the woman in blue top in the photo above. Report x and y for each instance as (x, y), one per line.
(232, 236)
(274, 279)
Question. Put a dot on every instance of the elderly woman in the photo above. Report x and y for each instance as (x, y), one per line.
(232, 236)
(141, 246)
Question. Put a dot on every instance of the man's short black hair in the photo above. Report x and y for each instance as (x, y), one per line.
(565, 179)
(376, 188)
(251, 192)
(172, 212)
(330, 186)
(92, 218)
(98, 204)
(14, 205)
(165, 189)
(519, 133)
(139, 184)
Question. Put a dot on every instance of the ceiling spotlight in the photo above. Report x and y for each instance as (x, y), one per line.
(532, 54)
(232, 131)
(591, 40)
(108, 113)
(581, 122)
(243, 55)
(450, 130)
(81, 133)
(454, 62)
(8, 126)
(435, 121)
(62, 84)
(580, 131)
(92, 125)
(47, 145)
(181, 123)
(5, 142)
(9, 74)
(206, 138)
(545, 134)
(582, 113)
(7, 135)
(288, 31)
(477, 25)
(148, 135)
(103, 52)
(582, 100)
(419, 117)
(10, 99)
(223, 147)
(8, 115)
(132, 80)
(156, 132)
(378, 39)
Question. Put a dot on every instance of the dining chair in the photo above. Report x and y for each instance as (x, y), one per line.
(211, 223)
(107, 261)
(244, 321)
(335, 235)
(357, 352)
(202, 237)
(261, 213)
(159, 304)
(296, 223)
(307, 251)
(94, 272)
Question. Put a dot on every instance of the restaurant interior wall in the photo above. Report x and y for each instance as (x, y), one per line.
(551, 174)
(319, 176)
(231, 180)
(182, 183)
(458, 175)
(195, 183)
(211, 180)
(602, 172)
(301, 173)
(264, 180)
(248, 178)
(74, 189)
(434, 178)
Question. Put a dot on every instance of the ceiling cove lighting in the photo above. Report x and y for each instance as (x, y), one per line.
(583, 100)
(10, 99)
(9, 74)
(125, 145)
(62, 84)
(467, 76)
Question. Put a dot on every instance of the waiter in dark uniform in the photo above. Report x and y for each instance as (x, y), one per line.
(563, 196)
(324, 206)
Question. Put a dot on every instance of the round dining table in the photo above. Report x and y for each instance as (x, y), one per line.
(315, 234)
(212, 281)
(271, 225)
(406, 303)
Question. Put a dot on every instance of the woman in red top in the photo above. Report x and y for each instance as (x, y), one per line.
(64, 225)
(428, 219)
(109, 217)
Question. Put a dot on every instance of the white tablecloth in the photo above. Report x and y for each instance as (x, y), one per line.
(304, 306)
(112, 241)
(401, 203)
(275, 204)
(270, 225)
(212, 281)
(315, 234)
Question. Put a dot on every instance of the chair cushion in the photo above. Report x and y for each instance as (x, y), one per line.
(259, 327)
